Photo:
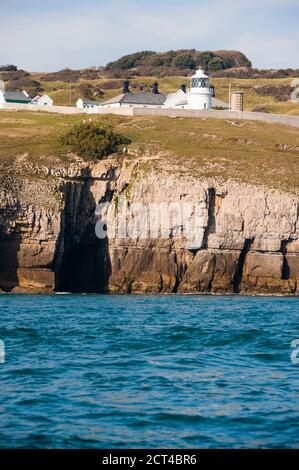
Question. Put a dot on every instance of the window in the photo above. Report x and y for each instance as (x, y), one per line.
(199, 82)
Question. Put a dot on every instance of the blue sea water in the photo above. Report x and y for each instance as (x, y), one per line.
(148, 371)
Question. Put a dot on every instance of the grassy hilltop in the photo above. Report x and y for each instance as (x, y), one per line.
(252, 152)
(265, 90)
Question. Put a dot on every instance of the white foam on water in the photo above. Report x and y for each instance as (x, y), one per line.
(2, 352)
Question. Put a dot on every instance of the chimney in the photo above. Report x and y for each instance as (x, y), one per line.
(184, 88)
(126, 86)
(156, 88)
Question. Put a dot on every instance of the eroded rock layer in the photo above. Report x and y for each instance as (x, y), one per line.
(246, 239)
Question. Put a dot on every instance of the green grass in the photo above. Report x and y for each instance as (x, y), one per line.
(247, 151)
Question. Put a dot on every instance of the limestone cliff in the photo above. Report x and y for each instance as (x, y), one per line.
(247, 238)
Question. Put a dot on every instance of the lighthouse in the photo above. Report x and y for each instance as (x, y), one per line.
(201, 93)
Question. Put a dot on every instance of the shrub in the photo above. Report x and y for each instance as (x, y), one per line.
(65, 75)
(90, 92)
(13, 75)
(184, 61)
(129, 61)
(112, 85)
(93, 140)
(8, 68)
(281, 93)
(234, 59)
(216, 64)
(260, 109)
(203, 58)
(33, 87)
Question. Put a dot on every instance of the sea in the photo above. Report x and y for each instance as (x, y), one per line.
(111, 371)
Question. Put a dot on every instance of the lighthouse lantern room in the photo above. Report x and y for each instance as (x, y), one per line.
(200, 93)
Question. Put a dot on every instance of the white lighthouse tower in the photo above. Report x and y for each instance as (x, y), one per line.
(200, 93)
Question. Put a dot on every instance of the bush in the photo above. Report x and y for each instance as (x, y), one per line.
(260, 109)
(130, 61)
(33, 87)
(8, 68)
(184, 61)
(90, 92)
(204, 58)
(234, 59)
(281, 93)
(13, 75)
(65, 75)
(216, 64)
(93, 140)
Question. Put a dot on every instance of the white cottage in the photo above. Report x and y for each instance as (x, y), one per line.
(87, 104)
(43, 100)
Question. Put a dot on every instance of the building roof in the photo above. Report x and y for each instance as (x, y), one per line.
(144, 98)
(199, 74)
(39, 97)
(114, 100)
(16, 96)
(138, 98)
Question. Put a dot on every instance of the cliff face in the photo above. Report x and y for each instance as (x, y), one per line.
(246, 239)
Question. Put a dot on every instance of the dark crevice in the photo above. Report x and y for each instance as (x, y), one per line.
(211, 226)
(214, 203)
(285, 275)
(240, 268)
(177, 280)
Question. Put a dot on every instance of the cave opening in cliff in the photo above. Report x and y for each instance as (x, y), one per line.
(85, 265)
(85, 269)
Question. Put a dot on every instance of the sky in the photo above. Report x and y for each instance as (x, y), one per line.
(48, 35)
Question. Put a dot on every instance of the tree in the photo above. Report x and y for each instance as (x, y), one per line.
(90, 92)
(8, 68)
(184, 61)
(204, 58)
(130, 61)
(93, 140)
(216, 64)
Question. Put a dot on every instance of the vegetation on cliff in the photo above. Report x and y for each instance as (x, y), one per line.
(93, 140)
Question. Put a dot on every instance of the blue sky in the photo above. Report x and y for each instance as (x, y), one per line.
(44, 35)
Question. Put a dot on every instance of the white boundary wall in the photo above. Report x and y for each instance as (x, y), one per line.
(265, 117)
(186, 113)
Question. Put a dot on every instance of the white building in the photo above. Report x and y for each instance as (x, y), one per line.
(201, 93)
(44, 100)
(200, 96)
(22, 97)
(87, 104)
(18, 97)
